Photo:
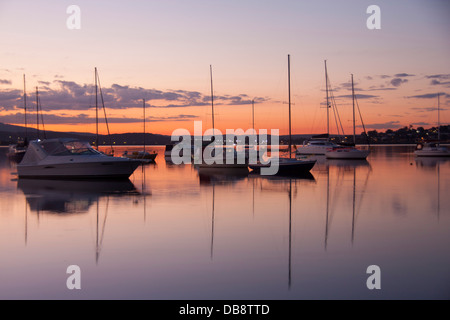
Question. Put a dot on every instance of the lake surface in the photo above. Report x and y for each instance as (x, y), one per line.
(174, 232)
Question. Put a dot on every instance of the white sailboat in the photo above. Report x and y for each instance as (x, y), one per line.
(431, 148)
(348, 152)
(289, 166)
(142, 155)
(208, 161)
(319, 145)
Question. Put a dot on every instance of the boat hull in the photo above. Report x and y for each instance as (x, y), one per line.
(223, 166)
(94, 170)
(432, 153)
(145, 158)
(288, 167)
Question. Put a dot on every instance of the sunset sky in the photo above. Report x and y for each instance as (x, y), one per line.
(161, 51)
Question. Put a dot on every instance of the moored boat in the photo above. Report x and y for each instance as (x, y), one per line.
(66, 158)
(341, 152)
(315, 146)
(288, 166)
(17, 151)
(143, 156)
(433, 148)
(349, 151)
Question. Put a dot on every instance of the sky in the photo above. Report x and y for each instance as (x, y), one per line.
(163, 52)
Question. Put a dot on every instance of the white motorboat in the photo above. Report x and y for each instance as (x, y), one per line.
(431, 149)
(66, 158)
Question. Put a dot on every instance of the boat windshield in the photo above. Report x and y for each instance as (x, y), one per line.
(67, 148)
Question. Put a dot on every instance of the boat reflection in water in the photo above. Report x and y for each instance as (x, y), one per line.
(74, 197)
(430, 162)
(345, 171)
(211, 175)
(71, 196)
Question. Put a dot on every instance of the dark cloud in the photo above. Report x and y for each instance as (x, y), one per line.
(402, 75)
(429, 95)
(4, 81)
(435, 82)
(69, 95)
(439, 76)
(381, 88)
(386, 125)
(358, 96)
(428, 109)
(396, 82)
(85, 119)
(10, 99)
(420, 124)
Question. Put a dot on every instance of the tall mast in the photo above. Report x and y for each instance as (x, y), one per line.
(96, 110)
(253, 114)
(25, 107)
(439, 122)
(353, 101)
(289, 90)
(144, 122)
(212, 97)
(328, 104)
(37, 111)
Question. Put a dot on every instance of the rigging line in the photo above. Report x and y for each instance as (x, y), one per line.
(334, 107)
(104, 112)
(42, 118)
(37, 114)
(362, 122)
(338, 120)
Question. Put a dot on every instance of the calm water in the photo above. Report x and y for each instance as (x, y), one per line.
(172, 232)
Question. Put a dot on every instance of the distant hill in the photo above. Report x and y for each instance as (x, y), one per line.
(11, 134)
